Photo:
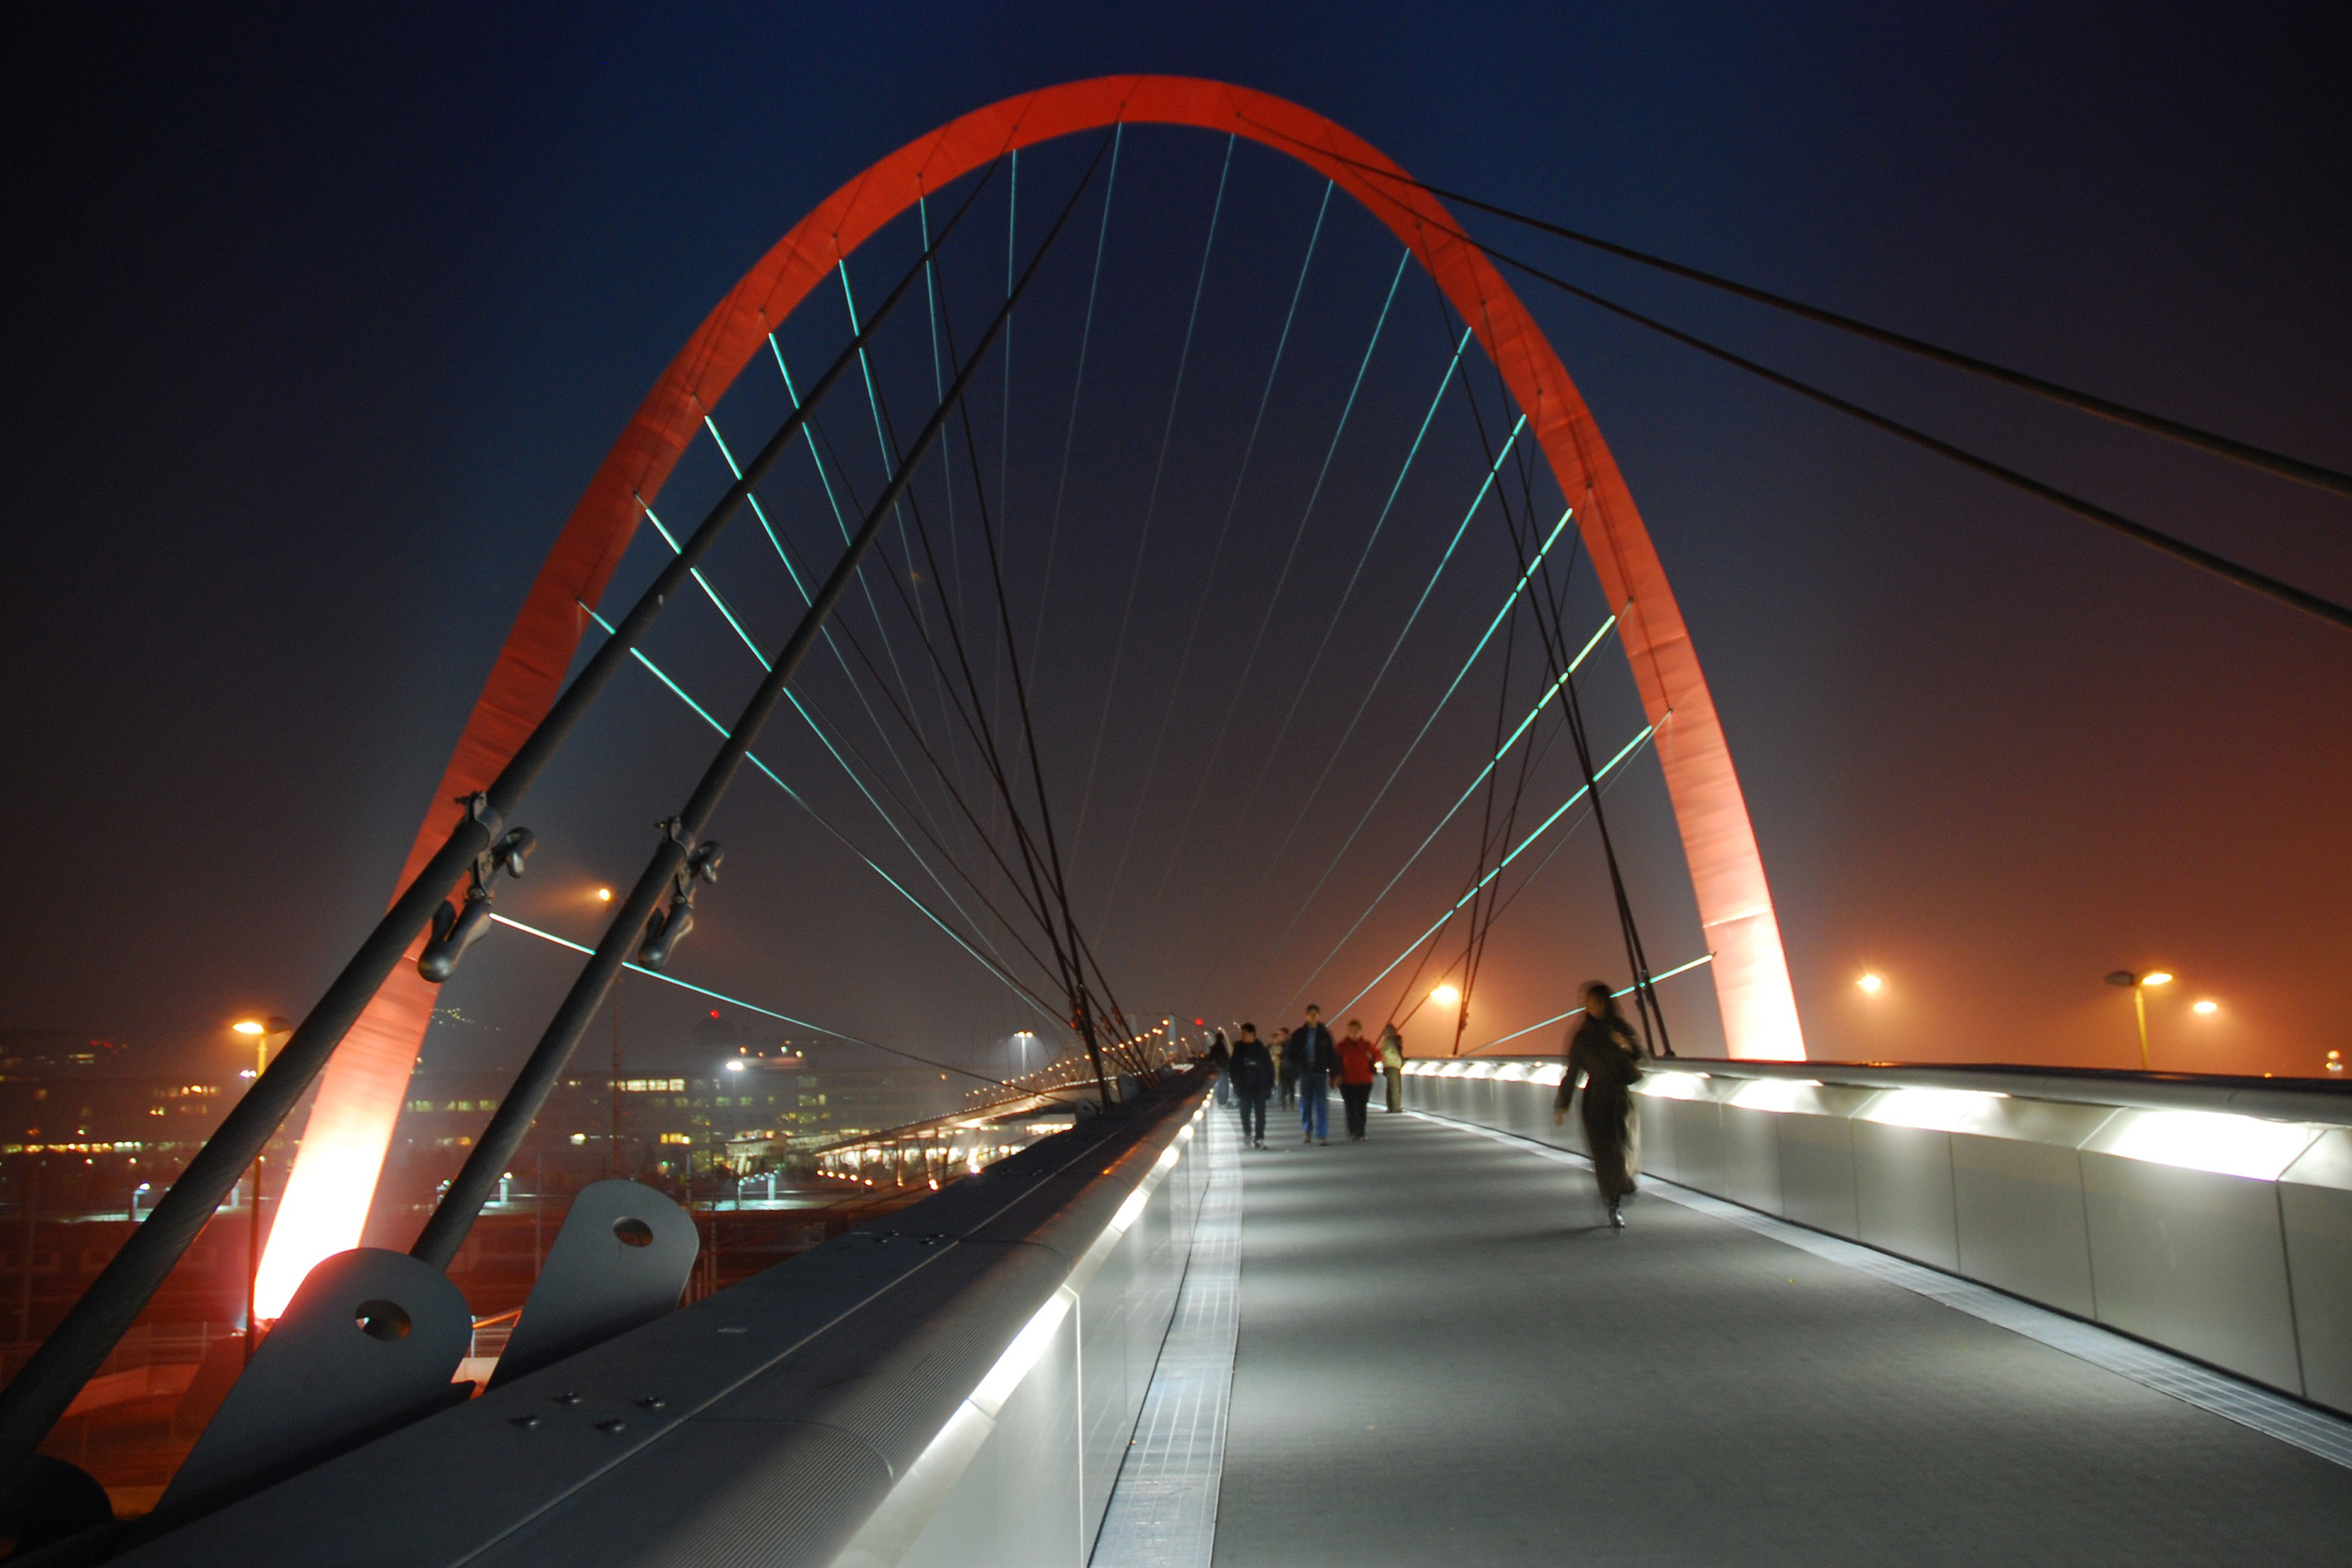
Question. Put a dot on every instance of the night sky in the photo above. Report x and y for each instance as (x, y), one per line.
(320, 325)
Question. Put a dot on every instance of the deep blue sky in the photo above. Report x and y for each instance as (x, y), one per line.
(322, 324)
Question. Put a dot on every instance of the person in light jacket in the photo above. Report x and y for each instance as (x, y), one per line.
(1393, 1065)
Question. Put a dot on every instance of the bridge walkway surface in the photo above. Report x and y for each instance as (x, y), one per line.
(1444, 1356)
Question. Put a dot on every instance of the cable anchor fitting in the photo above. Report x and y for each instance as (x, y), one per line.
(458, 927)
(670, 927)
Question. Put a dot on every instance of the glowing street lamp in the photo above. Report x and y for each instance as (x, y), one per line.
(2139, 984)
(1872, 984)
(261, 1032)
(1446, 996)
(2207, 1006)
(604, 895)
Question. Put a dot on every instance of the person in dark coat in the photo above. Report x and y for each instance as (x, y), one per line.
(1285, 1068)
(1604, 1058)
(1252, 1074)
(1220, 1062)
(1310, 1049)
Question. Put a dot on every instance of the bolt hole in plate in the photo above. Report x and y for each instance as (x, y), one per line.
(633, 1232)
(380, 1319)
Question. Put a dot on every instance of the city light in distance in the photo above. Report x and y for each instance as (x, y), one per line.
(1872, 984)
(2207, 1006)
(604, 895)
(1446, 996)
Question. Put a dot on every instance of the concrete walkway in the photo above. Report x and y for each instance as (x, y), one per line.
(1444, 1357)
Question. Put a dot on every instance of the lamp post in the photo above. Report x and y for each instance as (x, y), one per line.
(262, 1033)
(2139, 984)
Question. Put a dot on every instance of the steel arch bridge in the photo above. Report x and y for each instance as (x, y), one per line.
(351, 1126)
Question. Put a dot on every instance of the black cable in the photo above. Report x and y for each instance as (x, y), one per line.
(2233, 450)
(1069, 944)
(2203, 559)
(681, 838)
(1556, 643)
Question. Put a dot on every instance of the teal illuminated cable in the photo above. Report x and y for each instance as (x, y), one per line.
(1582, 790)
(994, 964)
(1331, 758)
(1461, 675)
(1340, 610)
(1142, 545)
(1298, 694)
(1564, 1017)
(1077, 387)
(873, 608)
(1541, 703)
(883, 439)
(1224, 528)
(550, 936)
(888, 821)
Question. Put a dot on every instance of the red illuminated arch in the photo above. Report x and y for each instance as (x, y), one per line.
(360, 1095)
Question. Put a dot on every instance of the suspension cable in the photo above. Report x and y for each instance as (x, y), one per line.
(1224, 528)
(1412, 746)
(1077, 390)
(1652, 1015)
(549, 936)
(438, 1244)
(994, 964)
(1630, 748)
(2204, 560)
(1150, 514)
(40, 1391)
(2233, 450)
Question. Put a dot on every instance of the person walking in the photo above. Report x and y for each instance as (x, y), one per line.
(1359, 1060)
(1252, 1074)
(1602, 1056)
(1310, 1047)
(1220, 1062)
(1393, 1065)
(1285, 1068)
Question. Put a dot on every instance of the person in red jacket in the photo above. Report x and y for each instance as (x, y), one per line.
(1359, 1066)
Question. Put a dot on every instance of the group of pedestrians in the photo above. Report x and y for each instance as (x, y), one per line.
(1301, 1065)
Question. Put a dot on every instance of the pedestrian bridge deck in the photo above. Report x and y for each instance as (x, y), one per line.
(1444, 1355)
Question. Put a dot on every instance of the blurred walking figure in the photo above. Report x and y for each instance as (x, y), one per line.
(1392, 1064)
(1220, 1062)
(1253, 1075)
(1285, 1068)
(1309, 1048)
(1603, 1054)
(1359, 1061)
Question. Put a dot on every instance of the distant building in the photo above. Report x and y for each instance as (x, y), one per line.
(95, 1124)
(672, 1125)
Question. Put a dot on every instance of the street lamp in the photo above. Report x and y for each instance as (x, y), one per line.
(1446, 996)
(262, 1032)
(1870, 984)
(2138, 984)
